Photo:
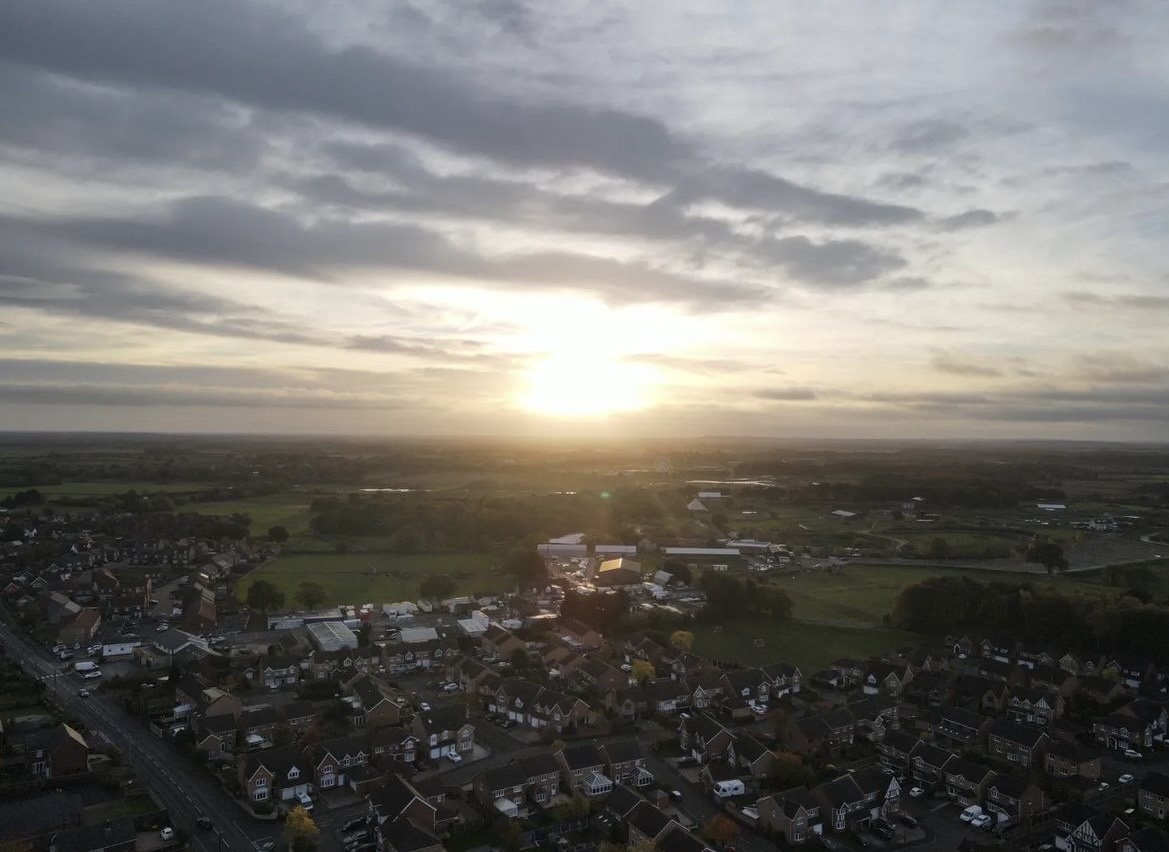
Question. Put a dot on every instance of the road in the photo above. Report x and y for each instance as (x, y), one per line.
(183, 790)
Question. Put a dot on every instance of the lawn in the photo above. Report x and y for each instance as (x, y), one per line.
(810, 646)
(349, 580)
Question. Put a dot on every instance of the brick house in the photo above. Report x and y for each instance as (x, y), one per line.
(1017, 799)
(275, 774)
(1034, 706)
(795, 815)
(1016, 743)
(379, 709)
(56, 752)
(1071, 760)
(826, 733)
(583, 768)
(704, 738)
(80, 628)
(625, 763)
(965, 781)
(962, 728)
(393, 745)
(1153, 796)
(443, 730)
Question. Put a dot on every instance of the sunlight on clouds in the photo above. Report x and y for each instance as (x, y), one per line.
(585, 382)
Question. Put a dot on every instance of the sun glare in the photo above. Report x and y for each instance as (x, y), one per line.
(585, 383)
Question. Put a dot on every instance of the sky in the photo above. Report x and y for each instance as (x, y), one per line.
(838, 219)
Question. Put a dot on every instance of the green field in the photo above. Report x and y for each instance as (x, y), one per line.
(810, 646)
(348, 579)
(861, 595)
(291, 512)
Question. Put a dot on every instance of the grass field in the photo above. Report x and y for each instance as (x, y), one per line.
(861, 595)
(291, 512)
(810, 646)
(348, 580)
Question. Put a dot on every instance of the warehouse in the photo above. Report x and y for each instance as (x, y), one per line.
(331, 636)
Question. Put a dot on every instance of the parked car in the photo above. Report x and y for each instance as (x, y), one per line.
(167, 833)
(83, 693)
(1104, 785)
(676, 795)
(971, 813)
(451, 687)
(1126, 778)
(916, 792)
(454, 757)
(1132, 754)
(423, 706)
(304, 801)
(204, 822)
(982, 821)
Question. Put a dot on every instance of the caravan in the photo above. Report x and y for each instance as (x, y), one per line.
(726, 789)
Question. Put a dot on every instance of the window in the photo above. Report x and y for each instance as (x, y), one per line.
(261, 782)
(541, 796)
(259, 795)
(345, 761)
(293, 774)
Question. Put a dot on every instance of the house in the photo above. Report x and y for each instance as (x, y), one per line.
(874, 716)
(1145, 840)
(966, 781)
(557, 711)
(1135, 725)
(928, 689)
(784, 678)
(258, 722)
(1102, 691)
(393, 746)
(443, 730)
(1153, 795)
(793, 814)
(332, 761)
(679, 839)
(1016, 799)
(300, 716)
(56, 752)
(704, 738)
(503, 788)
(398, 799)
(665, 696)
(846, 806)
(884, 677)
(1016, 743)
(962, 728)
(59, 607)
(928, 763)
(625, 763)
(274, 671)
(599, 675)
(80, 627)
(1034, 706)
(542, 772)
(1081, 829)
(1133, 671)
(647, 824)
(896, 750)
(980, 694)
(1055, 678)
(500, 644)
(378, 706)
(1071, 760)
(825, 733)
(275, 774)
(580, 634)
(750, 684)
(753, 756)
(216, 733)
(404, 835)
(583, 768)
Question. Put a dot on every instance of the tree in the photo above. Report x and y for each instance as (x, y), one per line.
(436, 587)
(300, 832)
(311, 594)
(939, 548)
(680, 571)
(277, 534)
(720, 829)
(643, 670)
(527, 567)
(264, 595)
(520, 661)
(789, 771)
(683, 640)
(1047, 553)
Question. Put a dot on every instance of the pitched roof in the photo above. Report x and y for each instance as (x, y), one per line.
(448, 718)
(1155, 783)
(404, 836)
(1008, 785)
(504, 777)
(647, 819)
(539, 764)
(620, 751)
(622, 800)
(582, 756)
(1022, 734)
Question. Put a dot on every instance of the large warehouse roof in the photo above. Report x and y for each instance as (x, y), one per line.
(332, 635)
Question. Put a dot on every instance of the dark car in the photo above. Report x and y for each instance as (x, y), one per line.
(356, 822)
(906, 819)
(204, 822)
(884, 831)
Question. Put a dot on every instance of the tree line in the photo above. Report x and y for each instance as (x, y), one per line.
(1112, 622)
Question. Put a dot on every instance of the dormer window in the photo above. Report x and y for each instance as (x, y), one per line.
(293, 774)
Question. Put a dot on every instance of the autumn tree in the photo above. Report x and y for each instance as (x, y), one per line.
(720, 829)
(300, 832)
(683, 640)
(643, 670)
(1047, 553)
(311, 594)
(277, 534)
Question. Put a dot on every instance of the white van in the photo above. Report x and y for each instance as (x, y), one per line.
(970, 813)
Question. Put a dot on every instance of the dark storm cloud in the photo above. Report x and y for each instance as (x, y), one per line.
(221, 231)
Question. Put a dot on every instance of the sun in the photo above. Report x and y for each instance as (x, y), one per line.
(585, 383)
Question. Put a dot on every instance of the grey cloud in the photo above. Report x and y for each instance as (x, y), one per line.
(946, 362)
(929, 136)
(1140, 301)
(831, 263)
(969, 219)
(220, 231)
(909, 284)
(901, 180)
(793, 394)
(182, 395)
(256, 55)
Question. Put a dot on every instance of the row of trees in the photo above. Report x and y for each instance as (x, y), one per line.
(1107, 623)
(729, 598)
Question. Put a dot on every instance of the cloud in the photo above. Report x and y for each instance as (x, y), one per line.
(842, 263)
(946, 362)
(1137, 301)
(929, 136)
(969, 219)
(792, 394)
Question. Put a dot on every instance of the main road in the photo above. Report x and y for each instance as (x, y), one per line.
(185, 791)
